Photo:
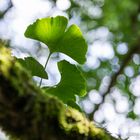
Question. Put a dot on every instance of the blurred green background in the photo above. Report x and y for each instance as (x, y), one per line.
(112, 70)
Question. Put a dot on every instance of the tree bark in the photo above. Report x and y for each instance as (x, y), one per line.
(27, 113)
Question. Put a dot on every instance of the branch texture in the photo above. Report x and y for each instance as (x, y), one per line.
(26, 113)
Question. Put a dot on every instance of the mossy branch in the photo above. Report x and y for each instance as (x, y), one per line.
(26, 113)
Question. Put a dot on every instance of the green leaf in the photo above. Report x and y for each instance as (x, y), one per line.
(34, 67)
(73, 44)
(53, 32)
(72, 83)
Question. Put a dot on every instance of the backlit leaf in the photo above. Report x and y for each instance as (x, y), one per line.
(53, 32)
(34, 67)
(72, 83)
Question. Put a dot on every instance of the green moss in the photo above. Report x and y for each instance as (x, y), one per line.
(74, 121)
(5, 60)
(26, 113)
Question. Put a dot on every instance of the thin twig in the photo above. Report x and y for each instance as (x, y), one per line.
(2, 14)
(133, 49)
(127, 59)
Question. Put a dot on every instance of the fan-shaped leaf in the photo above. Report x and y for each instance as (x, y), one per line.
(72, 83)
(53, 32)
(33, 66)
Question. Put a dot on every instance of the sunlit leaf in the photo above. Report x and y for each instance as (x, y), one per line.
(34, 67)
(53, 32)
(72, 83)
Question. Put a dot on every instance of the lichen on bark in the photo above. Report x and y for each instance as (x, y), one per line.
(27, 113)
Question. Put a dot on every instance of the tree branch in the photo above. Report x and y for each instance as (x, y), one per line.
(26, 113)
(2, 13)
(125, 62)
(134, 48)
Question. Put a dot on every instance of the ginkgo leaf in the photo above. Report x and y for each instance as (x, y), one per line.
(73, 44)
(53, 32)
(33, 66)
(72, 83)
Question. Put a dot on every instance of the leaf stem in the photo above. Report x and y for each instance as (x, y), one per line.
(45, 67)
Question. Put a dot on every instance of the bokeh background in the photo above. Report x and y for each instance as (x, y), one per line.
(112, 69)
